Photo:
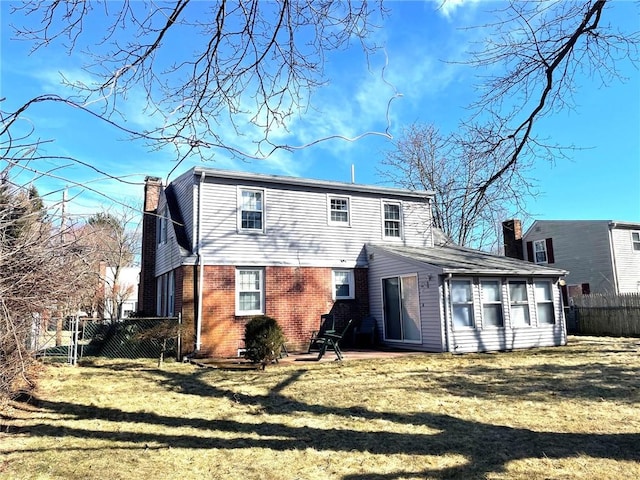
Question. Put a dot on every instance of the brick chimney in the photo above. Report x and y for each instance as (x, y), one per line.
(512, 235)
(147, 286)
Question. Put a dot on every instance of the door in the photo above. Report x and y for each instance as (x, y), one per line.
(401, 309)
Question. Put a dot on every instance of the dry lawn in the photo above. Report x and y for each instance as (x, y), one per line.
(553, 413)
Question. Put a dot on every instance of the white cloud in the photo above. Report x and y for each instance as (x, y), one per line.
(449, 7)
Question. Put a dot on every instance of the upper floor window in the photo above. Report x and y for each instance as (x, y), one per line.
(392, 220)
(635, 240)
(462, 303)
(492, 303)
(519, 302)
(251, 209)
(163, 225)
(249, 291)
(339, 210)
(343, 284)
(540, 251)
(544, 302)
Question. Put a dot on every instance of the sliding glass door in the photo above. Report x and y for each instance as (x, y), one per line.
(401, 308)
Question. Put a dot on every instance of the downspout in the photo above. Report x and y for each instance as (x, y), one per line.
(200, 267)
(446, 290)
(614, 266)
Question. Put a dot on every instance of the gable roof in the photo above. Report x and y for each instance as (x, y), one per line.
(465, 261)
(583, 223)
(306, 182)
(177, 221)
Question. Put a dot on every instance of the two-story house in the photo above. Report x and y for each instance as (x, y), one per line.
(602, 256)
(220, 247)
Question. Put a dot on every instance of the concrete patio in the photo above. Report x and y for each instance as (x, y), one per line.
(304, 357)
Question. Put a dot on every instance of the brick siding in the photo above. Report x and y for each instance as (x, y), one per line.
(294, 296)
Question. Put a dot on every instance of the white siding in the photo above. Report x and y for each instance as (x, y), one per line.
(627, 260)
(297, 231)
(479, 338)
(581, 247)
(383, 266)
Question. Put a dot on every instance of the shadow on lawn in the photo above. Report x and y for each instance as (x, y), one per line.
(592, 381)
(488, 448)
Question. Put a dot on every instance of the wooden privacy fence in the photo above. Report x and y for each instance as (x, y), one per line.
(608, 314)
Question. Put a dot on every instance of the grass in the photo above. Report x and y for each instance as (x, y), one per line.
(553, 413)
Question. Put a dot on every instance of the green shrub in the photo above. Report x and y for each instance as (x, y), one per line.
(263, 340)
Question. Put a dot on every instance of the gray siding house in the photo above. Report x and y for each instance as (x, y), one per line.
(603, 256)
(220, 247)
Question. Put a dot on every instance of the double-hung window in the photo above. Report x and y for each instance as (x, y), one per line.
(544, 302)
(166, 291)
(540, 251)
(249, 291)
(343, 284)
(492, 303)
(163, 225)
(339, 210)
(251, 210)
(635, 241)
(519, 303)
(462, 303)
(392, 220)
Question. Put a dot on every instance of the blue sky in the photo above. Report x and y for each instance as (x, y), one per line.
(599, 181)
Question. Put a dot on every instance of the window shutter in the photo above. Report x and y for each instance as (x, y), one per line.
(549, 244)
(530, 252)
(565, 295)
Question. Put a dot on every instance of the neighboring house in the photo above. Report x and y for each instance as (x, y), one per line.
(602, 256)
(220, 247)
(121, 297)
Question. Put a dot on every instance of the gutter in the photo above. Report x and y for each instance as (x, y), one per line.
(200, 264)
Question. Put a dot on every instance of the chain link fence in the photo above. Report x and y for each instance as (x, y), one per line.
(73, 338)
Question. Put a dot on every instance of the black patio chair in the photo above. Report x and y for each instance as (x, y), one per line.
(327, 325)
(366, 330)
(332, 340)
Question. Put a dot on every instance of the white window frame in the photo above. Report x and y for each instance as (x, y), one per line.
(330, 210)
(407, 304)
(544, 301)
(469, 303)
(519, 303)
(635, 242)
(484, 302)
(239, 291)
(399, 221)
(241, 209)
(351, 283)
(540, 246)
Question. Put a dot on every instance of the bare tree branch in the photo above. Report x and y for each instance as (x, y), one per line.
(542, 45)
(425, 159)
(250, 64)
